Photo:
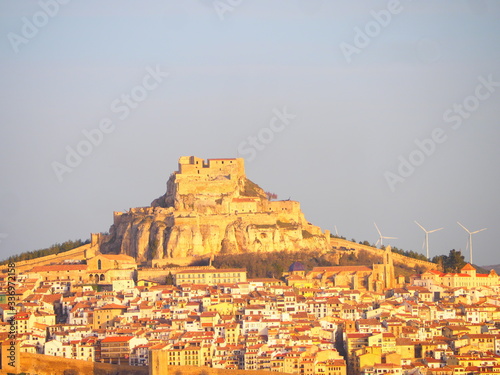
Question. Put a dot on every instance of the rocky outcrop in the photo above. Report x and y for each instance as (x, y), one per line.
(211, 207)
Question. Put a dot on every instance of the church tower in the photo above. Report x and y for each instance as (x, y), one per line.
(389, 275)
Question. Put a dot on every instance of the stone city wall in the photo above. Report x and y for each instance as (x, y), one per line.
(339, 243)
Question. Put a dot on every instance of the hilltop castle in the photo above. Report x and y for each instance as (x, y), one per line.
(210, 206)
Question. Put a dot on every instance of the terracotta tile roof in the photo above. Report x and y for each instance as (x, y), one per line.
(113, 306)
(358, 335)
(60, 267)
(468, 267)
(118, 339)
(213, 271)
(342, 269)
(51, 298)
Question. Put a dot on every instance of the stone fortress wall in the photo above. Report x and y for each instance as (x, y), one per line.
(339, 243)
(191, 165)
(221, 175)
(79, 253)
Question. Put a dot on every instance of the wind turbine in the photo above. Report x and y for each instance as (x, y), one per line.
(427, 237)
(336, 231)
(382, 237)
(470, 238)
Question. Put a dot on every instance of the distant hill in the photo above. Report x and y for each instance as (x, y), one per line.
(495, 267)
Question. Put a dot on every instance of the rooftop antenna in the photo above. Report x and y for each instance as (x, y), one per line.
(381, 238)
(427, 237)
(470, 239)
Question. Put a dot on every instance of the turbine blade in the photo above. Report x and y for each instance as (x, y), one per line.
(463, 227)
(380, 234)
(435, 230)
(420, 226)
(480, 230)
(389, 238)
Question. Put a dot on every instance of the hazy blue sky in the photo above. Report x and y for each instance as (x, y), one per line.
(360, 83)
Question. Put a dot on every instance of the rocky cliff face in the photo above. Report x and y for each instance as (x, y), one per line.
(211, 207)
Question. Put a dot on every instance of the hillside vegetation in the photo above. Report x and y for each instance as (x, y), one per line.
(54, 249)
(274, 264)
(271, 264)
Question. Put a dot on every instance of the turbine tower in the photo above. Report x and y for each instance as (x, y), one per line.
(381, 238)
(470, 239)
(427, 237)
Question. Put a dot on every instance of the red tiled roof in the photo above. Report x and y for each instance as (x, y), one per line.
(60, 267)
(358, 335)
(51, 298)
(468, 267)
(118, 339)
(341, 269)
(214, 271)
(113, 306)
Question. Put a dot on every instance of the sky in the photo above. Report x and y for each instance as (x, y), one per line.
(365, 111)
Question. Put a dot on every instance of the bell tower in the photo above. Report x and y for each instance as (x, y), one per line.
(389, 275)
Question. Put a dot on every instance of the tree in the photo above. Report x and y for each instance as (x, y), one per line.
(453, 262)
(438, 259)
(170, 279)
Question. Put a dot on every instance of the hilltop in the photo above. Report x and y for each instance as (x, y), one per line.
(495, 267)
(211, 207)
